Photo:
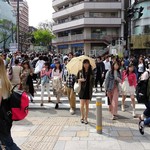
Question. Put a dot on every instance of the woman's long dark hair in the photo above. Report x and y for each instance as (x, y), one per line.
(26, 62)
(47, 64)
(90, 72)
(127, 71)
(60, 69)
(112, 67)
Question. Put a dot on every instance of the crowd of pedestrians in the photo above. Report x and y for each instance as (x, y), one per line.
(116, 76)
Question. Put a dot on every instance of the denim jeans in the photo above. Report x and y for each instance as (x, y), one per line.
(147, 110)
(147, 114)
(9, 144)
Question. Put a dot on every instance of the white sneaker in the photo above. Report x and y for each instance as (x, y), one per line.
(122, 108)
(72, 112)
(133, 113)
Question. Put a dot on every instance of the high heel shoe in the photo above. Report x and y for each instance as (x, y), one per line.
(82, 120)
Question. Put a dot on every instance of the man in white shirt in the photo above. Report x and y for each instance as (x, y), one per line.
(39, 65)
(107, 64)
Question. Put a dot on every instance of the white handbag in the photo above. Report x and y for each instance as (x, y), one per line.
(77, 87)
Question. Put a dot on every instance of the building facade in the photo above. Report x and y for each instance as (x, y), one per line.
(24, 14)
(6, 13)
(87, 25)
(141, 28)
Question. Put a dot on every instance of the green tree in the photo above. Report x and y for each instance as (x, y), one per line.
(6, 31)
(43, 37)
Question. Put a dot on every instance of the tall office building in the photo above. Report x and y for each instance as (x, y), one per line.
(24, 15)
(87, 25)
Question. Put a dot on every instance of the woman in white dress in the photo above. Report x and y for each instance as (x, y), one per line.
(57, 82)
(129, 83)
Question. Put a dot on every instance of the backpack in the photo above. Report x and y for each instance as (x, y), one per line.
(141, 91)
(19, 103)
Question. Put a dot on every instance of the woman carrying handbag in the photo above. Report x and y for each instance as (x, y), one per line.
(85, 78)
(113, 78)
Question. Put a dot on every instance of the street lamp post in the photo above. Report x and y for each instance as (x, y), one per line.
(18, 23)
(129, 32)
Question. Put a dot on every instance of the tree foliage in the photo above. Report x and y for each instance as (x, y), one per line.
(6, 28)
(43, 37)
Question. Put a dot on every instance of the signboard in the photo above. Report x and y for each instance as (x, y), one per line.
(114, 51)
(13, 47)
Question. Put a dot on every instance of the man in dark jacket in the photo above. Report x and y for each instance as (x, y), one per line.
(145, 117)
(100, 67)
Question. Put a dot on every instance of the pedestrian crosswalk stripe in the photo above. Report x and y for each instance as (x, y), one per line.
(65, 102)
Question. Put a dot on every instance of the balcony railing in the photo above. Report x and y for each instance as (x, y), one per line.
(77, 37)
(63, 39)
(80, 2)
(87, 21)
(94, 36)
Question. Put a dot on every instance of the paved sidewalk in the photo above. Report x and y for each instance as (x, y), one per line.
(46, 131)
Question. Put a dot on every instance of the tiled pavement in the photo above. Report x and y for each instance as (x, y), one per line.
(42, 130)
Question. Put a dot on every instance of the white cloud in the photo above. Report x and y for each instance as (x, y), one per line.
(39, 10)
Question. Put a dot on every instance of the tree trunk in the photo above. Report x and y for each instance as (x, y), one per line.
(4, 45)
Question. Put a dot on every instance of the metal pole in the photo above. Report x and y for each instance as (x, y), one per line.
(18, 23)
(129, 32)
(99, 115)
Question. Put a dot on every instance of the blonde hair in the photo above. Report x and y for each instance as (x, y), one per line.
(5, 82)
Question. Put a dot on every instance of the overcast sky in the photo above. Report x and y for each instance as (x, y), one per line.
(39, 10)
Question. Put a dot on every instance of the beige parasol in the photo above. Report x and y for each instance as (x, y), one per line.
(76, 64)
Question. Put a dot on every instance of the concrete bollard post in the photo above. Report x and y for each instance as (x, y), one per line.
(99, 115)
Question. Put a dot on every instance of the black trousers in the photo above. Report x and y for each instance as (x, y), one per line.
(100, 81)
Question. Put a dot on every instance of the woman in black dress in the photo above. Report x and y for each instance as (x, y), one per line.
(86, 78)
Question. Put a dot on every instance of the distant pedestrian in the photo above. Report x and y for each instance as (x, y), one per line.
(64, 69)
(141, 67)
(70, 56)
(57, 82)
(85, 77)
(126, 62)
(26, 80)
(107, 64)
(6, 141)
(16, 73)
(100, 73)
(122, 66)
(113, 78)
(129, 83)
(45, 82)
